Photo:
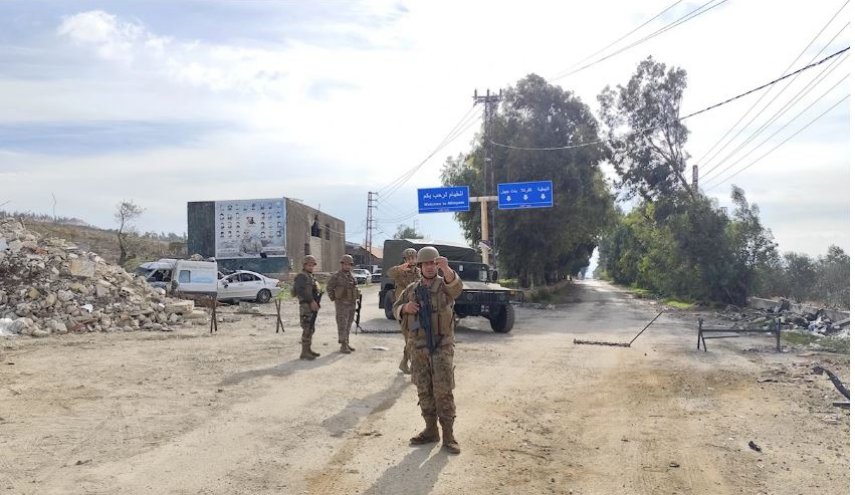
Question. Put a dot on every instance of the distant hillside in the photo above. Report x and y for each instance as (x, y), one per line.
(104, 242)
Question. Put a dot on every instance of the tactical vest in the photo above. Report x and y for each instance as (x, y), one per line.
(442, 317)
(345, 288)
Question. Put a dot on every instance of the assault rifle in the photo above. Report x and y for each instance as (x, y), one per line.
(358, 309)
(316, 295)
(425, 311)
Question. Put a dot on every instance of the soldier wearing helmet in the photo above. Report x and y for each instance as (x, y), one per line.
(307, 292)
(343, 291)
(403, 275)
(426, 312)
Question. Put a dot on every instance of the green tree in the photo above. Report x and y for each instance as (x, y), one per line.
(407, 232)
(754, 246)
(540, 245)
(832, 285)
(644, 134)
(126, 213)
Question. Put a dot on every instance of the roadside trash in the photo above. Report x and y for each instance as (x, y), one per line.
(379, 348)
(754, 446)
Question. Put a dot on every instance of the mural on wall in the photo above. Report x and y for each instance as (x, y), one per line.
(250, 228)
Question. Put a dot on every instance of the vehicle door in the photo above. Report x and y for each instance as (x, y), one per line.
(229, 287)
(252, 284)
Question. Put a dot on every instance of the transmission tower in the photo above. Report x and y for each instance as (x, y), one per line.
(369, 223)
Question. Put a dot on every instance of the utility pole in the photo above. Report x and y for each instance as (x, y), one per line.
(369, 224)
(695, 178)
(490, 102)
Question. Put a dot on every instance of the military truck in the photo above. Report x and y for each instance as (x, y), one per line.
(481, 296)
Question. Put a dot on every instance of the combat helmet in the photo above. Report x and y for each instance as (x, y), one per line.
(346, 259)
(408, 253)
(427, 253)
(309, 259)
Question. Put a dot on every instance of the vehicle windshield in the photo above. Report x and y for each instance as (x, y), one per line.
(143, 272)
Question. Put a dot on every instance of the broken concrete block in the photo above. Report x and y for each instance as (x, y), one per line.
(82, 268)
(180, 307)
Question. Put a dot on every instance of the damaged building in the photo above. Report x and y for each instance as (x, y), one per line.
(268, 236)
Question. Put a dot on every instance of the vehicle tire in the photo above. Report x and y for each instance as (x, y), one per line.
(388, 302)
(504, 322)
(263, 296)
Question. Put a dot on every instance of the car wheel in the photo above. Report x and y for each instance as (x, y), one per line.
(263, 296)
(504, 321)
(387, 304)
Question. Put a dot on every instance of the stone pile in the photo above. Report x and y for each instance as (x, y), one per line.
(50, 286)
(764, 312)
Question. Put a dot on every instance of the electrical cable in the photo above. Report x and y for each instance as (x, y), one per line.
(781, 143)
(828, 23)
(691, 15)
(613, 43)
(787, 106)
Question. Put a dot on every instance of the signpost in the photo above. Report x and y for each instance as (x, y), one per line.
(517, 195)
(443, 199)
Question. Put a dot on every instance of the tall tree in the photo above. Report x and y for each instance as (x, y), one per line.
(407, 232)
(540, 245)
(644, 134)
(126, 213)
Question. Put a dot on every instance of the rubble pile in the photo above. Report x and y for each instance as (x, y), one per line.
(764, 312)
(50, 286)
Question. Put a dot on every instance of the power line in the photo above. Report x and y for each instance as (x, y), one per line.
(613, 43)
(828, 23)
(791, 74)
(767, 106)
(785, 108)
(743, 157)
(460, 127)
(691, 15)
(781, 143)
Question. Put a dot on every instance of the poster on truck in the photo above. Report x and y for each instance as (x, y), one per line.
(249, 228)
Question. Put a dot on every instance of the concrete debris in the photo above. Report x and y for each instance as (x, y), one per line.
(765, 312)
(49, 286)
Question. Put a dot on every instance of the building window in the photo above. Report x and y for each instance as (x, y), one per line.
(327, 231)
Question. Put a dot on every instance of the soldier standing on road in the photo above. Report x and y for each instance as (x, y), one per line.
(426, 312)
(306, 289)
(343, 291)
(403, 275)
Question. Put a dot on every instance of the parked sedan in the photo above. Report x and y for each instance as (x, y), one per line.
(248, 286)
(361, 275)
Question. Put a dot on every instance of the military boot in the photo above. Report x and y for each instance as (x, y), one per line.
(430, 433)
(307, 352)
(344, 348)
(448, 440)
(347, 343)
(313, 353)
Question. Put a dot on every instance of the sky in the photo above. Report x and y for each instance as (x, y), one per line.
(168, 101)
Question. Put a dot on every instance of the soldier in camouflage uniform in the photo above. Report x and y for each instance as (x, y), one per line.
(343, 291)
(403, 275)
(432, 349)
(306, 289)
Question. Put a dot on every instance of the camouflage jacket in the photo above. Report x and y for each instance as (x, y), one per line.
(305, 287)
(342, 288)
(403, 278)
(442, 296)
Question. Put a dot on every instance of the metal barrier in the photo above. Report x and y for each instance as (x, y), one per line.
(702, 339)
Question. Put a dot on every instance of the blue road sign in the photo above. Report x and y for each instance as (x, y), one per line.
(441, 199)
(515, 195)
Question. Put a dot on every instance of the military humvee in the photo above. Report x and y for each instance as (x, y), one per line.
(481, 295)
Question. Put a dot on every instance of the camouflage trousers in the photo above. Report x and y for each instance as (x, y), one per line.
(344, 314)
(434, 379)
(306, 323)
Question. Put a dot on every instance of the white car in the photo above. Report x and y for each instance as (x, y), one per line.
(361, 275)
(247, 285)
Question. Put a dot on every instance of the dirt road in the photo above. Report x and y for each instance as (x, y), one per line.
(237, 413)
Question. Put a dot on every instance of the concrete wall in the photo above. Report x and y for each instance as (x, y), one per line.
(328, 248)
